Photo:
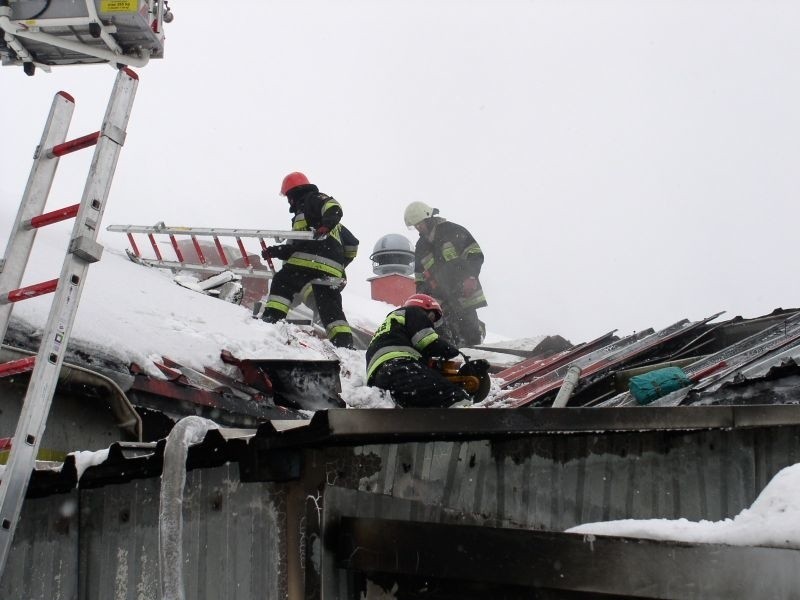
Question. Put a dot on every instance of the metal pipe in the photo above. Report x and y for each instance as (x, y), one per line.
(570, 381)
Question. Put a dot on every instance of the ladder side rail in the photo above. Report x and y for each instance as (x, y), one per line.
(83, 250)
(212, 231)
(40, 180)
(198, 232)
(206, 268)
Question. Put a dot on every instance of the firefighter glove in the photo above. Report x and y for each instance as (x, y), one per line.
(450, 351)
(321, 231)
(279, 252)
(469, 287)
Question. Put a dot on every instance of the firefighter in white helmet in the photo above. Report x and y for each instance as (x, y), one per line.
(447, 266)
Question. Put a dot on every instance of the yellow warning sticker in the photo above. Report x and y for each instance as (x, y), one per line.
(108, 6)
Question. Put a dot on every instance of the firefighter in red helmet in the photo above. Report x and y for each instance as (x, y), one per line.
(319, 263)
(397, 357)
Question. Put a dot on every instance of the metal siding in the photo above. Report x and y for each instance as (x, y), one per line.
(119, 541)
(43, 562)
(233, 539)
(558, 481)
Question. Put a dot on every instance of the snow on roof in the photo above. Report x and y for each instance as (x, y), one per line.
(139, 314)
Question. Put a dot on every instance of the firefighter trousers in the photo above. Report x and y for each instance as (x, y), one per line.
(288, 282)
(412, 384)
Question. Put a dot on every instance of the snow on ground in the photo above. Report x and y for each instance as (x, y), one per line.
(772, 520)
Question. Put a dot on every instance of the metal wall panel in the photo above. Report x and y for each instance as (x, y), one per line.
(43, 562)
(558, 481)
(233, 536)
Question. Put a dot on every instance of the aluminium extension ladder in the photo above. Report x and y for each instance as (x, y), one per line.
(210, 233)
(83, 250)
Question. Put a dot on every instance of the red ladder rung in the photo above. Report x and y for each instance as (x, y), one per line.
(55, 216)
(198, 250)
(221, 251)
(270, 264)
(15, 367)
(133, 245)
(176, 248)
(31, 291)
(155, 246)
(74, 145)
(243, 251)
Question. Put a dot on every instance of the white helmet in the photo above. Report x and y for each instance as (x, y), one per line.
(416, 212)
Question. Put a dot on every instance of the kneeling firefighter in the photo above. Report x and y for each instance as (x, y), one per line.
(398, 354)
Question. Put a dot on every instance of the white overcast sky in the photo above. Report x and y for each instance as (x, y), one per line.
(623, 164)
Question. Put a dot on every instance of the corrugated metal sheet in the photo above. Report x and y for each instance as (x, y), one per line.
(234, 542)
(43, 562)
(233, 539)
(557, 481)
(257, 540)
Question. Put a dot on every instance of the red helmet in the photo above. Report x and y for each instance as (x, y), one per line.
(425, 302)
(292, 180)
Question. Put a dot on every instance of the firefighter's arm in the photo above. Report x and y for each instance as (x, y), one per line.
(442, 348)
(330, 213)
(426, 340)
(470, 253)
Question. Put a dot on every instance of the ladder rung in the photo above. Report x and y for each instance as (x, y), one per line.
(54, 217)
(31, 291)
(74, 145)
(14, 367)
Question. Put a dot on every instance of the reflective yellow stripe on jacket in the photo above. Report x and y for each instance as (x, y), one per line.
(388, 353)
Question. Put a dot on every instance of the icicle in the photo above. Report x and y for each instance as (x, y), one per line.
(187, 431)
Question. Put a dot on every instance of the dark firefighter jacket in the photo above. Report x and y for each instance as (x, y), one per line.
(443, 259)
(349, 245)
(313, 209)
(406, 333)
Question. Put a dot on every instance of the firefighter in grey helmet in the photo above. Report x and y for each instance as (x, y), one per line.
(447, 266)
